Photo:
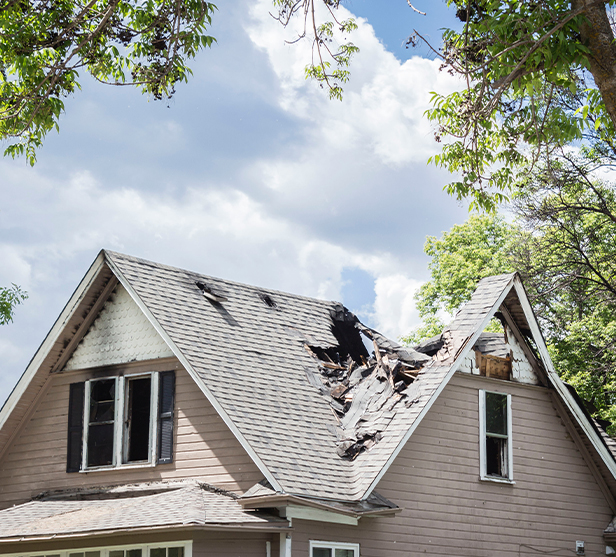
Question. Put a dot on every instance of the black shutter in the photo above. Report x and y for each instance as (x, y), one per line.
(75, 427)
(166, 391)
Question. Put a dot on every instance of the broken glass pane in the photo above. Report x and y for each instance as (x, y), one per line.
(102, 400)
(496, 413)
(496, 451)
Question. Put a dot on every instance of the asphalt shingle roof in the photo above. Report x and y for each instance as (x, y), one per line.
(252, 358)
(159, 504)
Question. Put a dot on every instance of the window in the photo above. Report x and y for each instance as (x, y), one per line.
(173, 549)
(117, 421)
(333, 549)
(495, 436)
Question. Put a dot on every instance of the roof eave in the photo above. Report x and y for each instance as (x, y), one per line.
(244, 526)
(283, 500)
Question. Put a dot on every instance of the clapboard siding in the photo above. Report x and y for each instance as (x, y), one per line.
(448, 511)
(204, 447)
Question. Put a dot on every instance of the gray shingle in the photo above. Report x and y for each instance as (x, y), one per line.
(242, 346)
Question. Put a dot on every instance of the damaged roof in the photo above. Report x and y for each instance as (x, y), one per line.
(331, 416)
(133, 507)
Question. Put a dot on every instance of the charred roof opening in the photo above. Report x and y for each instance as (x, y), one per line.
(208, 293)
(363, 389)
(268, 300)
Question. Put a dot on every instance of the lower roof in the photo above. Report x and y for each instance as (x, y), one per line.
(130, 507)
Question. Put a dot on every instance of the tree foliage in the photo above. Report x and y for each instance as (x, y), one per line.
(537, 76)
(46, 45)
(9, 298)
(330, 57)
(563, 242)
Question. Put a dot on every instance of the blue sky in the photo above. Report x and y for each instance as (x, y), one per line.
(249, 173)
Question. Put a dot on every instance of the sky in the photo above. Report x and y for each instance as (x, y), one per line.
(248, 173)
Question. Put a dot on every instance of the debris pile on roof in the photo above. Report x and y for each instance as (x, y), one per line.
(363, 389)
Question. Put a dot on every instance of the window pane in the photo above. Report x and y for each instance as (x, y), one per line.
(496, 413)
(93, 554)
(138, 419)
(133, 553)
(116, 553)
(158, 552)
(321, 552)
(102, 400)
(100, 445)
(75, 555)
(176, 552)
(345, 553)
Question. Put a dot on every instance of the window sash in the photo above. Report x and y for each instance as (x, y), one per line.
(120, 435)
(484, 435)
(333, 546)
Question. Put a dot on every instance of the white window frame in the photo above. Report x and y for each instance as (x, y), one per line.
(333, 546)
(104, 551)
(482, 440)
(120, 435)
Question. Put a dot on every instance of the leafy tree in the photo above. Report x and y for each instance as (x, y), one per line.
(538, 75)
(44, 45)
(563, 242)
(9, 298)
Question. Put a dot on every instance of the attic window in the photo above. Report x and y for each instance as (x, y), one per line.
(495, 431)
(117, 421)
(268, 301)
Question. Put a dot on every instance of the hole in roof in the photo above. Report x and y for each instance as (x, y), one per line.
(267, 300)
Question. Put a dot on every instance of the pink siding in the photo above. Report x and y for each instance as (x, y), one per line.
(449, 511)
(204, 447)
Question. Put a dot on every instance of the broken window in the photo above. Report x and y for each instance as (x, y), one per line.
(126, 420)
(333, 549)
(495, 418)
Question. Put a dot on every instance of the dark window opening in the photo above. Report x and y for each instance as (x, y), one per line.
(496, 456)
(101, 422)
(138, 419)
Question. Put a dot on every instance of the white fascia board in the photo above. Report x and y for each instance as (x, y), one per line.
(560, 387)
(310, 513)
(51, 338)
(204, 389)
(454, 367)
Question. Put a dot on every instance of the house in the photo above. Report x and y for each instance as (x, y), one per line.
(172, 414)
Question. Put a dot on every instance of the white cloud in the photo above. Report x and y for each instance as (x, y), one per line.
(286, 190)
(394, 306)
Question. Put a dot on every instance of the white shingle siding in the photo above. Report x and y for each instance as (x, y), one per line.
(521, 369)
(121, 333)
